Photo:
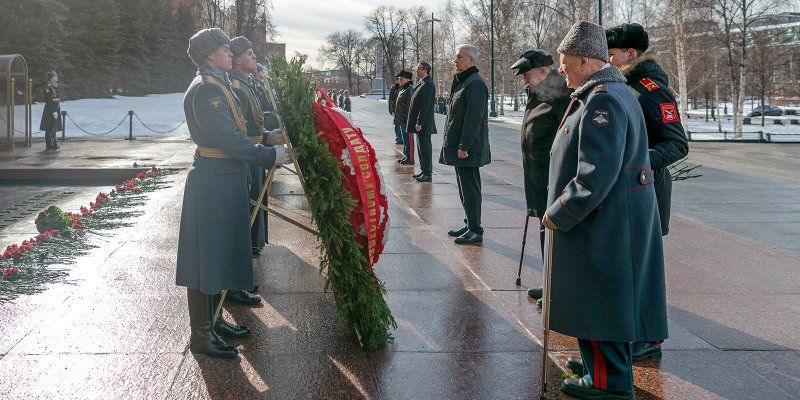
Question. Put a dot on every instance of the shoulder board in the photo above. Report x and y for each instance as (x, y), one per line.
(649, 84)
(236, 84)
(601, 88)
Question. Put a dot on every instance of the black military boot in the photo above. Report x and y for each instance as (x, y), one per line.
(535, 293)
(643, 350)
(580, 388)
(575, 364)
(226, 329)
(203, 339)
(460, 231)
(242, 297)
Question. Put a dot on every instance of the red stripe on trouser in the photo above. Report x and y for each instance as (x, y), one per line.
(411, 147)
(599, 376)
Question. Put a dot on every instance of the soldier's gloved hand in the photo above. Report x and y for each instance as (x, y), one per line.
(275, 137)
(55, 115)
(282, 155)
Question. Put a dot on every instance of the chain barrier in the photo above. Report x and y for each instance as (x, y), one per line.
(19, 131)
(96, 134)
(157, 131)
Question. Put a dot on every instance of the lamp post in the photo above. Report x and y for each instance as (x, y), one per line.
(432, 20)
(492, 112)
(404, 49)
(600, 12)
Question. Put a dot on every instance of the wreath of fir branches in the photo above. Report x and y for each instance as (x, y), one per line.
(359, 297)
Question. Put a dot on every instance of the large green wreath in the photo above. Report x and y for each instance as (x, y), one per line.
(359, 297)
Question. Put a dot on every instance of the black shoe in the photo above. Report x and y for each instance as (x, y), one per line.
(255, 289)
(469, 237)
(458, 232)
(424, 178)
(402, 160)
(647, 350)
(256, 251)
(242, 297)
(417, 175)
(575, 364)
(407, 162)
(396, 142)
(230, 331)
(579, 388)
(203, 339)
(535, 293)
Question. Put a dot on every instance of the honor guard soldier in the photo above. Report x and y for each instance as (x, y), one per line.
(214, 242)
(627, 46)
(548, 99)
(244, 64)
(51, 115)
(270, 118)
(607, 269)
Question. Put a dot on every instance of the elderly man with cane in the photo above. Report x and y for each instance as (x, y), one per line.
(548, 99)
(606, 276)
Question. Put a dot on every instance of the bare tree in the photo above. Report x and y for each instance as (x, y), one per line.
(341, 49)
(385, 23)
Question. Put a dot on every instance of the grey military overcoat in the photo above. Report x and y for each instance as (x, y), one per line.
(607, 275)
(214, 244)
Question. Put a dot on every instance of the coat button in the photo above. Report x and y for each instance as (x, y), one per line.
(644, 178)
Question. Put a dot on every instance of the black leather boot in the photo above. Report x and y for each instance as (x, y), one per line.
(226, 329)
(242, 297)
(203, 339)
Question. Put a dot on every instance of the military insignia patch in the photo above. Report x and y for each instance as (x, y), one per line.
(600, 118)
(215, 102)
(649, 84)
(669, 113)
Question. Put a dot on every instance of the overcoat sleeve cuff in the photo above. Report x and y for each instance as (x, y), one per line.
(561, 216)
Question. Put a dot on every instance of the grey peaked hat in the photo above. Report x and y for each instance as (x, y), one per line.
(585, 39)
(204, 42)
(239, 45)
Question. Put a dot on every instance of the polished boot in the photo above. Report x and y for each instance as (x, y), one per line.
(535, 293)
(203, 340)
(458, 232)
(424, 178)
(226, 329)
(417, 175)
(645, 350)
(580, 388)
(242, 297)
(575, 364)
(469, 237)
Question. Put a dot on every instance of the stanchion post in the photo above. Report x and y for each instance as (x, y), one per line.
(130, 126)
(63, 125)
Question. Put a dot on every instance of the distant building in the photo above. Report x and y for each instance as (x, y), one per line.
(336, 79)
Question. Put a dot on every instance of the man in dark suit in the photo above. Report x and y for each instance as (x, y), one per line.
(421, 121)
(466, 140)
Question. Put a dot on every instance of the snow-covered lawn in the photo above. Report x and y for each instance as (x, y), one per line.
(160, 112)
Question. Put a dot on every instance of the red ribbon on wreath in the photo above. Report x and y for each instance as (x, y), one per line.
(360, 176)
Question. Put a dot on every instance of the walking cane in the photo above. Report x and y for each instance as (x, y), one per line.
(548, 265)
(522, 253)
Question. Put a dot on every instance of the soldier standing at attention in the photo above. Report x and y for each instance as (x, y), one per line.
(244, 63)
(51, 115)
(548, 99)
(393, 92)
(666, 138)
(270, 119)
(607, 272)
(214, 240)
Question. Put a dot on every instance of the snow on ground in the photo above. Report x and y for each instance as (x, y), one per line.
(160, 112)
(703, 130)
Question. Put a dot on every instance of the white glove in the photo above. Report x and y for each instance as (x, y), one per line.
(282, 155)
(275, 137)
(55, 115)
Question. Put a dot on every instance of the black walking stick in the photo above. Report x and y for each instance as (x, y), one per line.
(548, 266)
(522, 253)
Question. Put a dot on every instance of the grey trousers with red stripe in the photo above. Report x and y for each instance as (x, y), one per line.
(608, 364)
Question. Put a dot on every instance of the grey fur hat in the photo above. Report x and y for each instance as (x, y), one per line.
(204, 42)
(585, 39)
(239, 45)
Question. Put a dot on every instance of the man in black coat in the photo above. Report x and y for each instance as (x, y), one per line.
(421, 120)
(466, 140)
(51, 115)
(404, 78)
(548, 99)
(666, 138)
(393, 92)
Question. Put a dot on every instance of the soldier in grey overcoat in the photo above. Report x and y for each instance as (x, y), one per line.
(607, 273)
(214, 242)
(242, 83)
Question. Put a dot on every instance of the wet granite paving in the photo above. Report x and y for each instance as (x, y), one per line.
(118, 327)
